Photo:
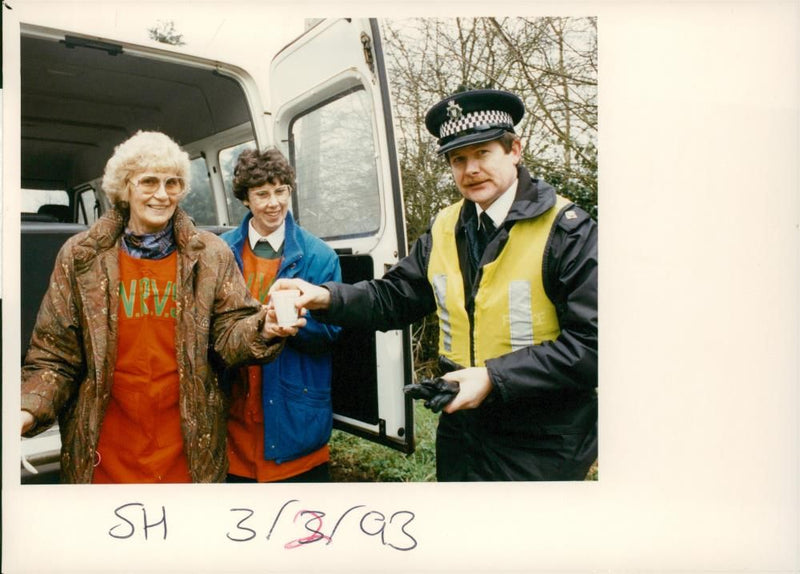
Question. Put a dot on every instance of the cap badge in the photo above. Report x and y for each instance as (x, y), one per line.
(454, 111)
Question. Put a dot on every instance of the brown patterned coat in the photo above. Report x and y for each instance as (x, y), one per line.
(69, 367)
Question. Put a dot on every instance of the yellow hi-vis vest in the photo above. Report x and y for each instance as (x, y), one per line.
(512, 310)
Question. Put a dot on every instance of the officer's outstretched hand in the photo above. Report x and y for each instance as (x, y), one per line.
(311, 296)
(474, 386)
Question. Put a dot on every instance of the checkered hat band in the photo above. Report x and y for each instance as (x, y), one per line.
(487, 118)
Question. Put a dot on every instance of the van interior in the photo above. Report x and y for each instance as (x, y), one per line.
(80, 98)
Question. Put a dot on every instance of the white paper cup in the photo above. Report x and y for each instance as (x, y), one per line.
(283, 302)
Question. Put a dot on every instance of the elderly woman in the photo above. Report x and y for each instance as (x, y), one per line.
(138, 307)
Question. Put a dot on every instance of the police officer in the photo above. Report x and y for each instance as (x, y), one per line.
(511, 270)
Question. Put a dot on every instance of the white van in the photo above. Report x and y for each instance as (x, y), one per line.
(81, 93)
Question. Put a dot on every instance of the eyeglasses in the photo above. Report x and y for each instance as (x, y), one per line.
(280, 191)
(149, 183)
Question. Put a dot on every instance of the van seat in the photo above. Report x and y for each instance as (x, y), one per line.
(41, 217)
(62, 213)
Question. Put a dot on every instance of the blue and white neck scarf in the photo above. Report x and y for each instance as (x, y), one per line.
(150, 245)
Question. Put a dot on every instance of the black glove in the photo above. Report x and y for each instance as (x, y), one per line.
(447, 366)
(436, 392)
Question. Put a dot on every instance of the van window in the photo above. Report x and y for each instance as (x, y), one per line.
(200, 201)
(88, 206)
(34, 199)
(333, 148)
(227, 162)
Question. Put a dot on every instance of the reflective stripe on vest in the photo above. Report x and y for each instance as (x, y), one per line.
(512, 310)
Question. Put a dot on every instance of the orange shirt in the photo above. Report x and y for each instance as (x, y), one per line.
(246, 417)
(141, 439)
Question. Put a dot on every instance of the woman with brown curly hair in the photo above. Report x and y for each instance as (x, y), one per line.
(280, 417)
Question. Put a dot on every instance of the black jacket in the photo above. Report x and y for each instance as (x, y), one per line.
(540, 420)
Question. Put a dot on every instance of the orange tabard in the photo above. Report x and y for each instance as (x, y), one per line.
(246, 417)
(141, 439)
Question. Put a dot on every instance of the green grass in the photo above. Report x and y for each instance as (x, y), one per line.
(354, 459)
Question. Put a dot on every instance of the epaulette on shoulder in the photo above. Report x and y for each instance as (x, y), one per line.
(571, 217)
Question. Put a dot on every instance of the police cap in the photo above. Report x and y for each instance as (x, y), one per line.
(473, 116)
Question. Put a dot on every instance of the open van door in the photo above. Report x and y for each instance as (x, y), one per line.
(332, 119)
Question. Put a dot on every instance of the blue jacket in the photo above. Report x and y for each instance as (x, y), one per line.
(296, 387)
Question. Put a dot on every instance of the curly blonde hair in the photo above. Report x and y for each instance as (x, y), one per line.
(143, 152)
